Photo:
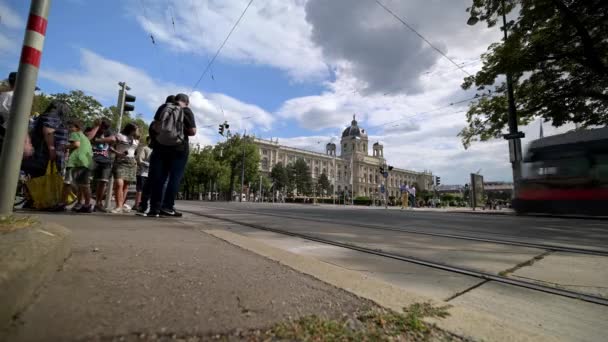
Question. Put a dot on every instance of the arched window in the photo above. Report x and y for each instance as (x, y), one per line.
(265, 164)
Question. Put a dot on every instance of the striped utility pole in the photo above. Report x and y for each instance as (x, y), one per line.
(16, 131)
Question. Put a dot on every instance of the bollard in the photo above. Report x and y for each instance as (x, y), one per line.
(16, 131)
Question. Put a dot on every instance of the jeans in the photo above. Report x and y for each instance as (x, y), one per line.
(167, 165)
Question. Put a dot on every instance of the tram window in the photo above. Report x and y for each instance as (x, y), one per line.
(569, 167)
(601, 168)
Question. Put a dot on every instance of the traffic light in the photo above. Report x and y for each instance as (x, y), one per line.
(126, 106)
(223, 128)
(437, 180)
(390, 168)
(381, 170)
(124, 98)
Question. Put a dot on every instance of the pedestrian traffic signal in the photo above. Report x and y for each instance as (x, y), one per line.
(437, 180)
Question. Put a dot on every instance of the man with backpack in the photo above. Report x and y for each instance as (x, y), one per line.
(173, 124)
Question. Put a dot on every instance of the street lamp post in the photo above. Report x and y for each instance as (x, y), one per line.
(514, 136)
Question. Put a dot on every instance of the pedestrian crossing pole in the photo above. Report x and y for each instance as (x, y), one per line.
(17, 126)
(121, 110)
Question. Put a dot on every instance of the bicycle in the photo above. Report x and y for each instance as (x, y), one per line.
(21, 193)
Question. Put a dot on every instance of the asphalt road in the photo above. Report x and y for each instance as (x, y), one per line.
(571, 232)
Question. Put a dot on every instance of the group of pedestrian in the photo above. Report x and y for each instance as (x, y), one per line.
(97, 154)
(408, 196)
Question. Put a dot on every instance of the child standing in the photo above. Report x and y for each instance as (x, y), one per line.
(78, 168)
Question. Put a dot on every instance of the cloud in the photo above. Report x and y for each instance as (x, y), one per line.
(10, 22)
(383, 53)
(273, 33)
(10, 18)
(99, 77)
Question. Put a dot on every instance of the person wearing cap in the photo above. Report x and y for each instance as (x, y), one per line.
(167, 163)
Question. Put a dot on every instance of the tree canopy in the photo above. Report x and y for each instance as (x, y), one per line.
(557, 54)
(323, 184)
(279, 176)
(87, 109)
(231, 155)
(300, 177)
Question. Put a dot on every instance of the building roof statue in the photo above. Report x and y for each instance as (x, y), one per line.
(354, 130)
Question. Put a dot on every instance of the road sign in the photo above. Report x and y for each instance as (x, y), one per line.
(382, 188)
(385, 174)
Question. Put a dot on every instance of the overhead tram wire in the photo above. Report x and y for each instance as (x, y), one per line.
(222, 46)
(200, 26)
(428, 112)
(179, 57)
(421, 36)
(156, 52)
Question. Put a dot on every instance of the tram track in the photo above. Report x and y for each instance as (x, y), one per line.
(413, 260)
(547, 247)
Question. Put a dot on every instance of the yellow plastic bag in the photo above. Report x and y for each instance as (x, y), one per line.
(46, 191)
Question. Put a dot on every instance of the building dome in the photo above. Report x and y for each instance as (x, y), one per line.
(354, 130)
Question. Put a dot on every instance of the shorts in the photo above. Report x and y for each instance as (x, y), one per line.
(125, 169)
(141, 183)
(102, 172)
(77, 176)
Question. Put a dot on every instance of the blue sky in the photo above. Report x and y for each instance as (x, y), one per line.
(296, 70)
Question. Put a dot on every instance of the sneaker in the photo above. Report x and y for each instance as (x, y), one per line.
(170, 212)
(117, 211)
(85, 209)
(77, 207)
(58, 208)
(152, 214)
(100, 209)
(126, 209)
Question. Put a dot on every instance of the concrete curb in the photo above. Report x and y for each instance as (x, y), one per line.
(463, 321)
(28, 257)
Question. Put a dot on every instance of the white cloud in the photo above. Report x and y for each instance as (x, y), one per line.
(273, 33)
(99, 77)
(10, 18)
(10, 23)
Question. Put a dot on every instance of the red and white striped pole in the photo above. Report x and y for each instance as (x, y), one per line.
(16, 130)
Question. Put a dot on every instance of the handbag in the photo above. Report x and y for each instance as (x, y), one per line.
(47, 191)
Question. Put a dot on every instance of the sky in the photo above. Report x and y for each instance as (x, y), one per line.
(292, 70)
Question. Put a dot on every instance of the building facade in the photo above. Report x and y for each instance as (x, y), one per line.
(353, 170)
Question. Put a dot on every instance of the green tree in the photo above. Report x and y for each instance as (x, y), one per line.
(323, 184)
(557, 54)
(233, 152)
(202, 170)
(82, 107)
(40, 103)
(300, 177)
(279, 176)
(266, 184)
